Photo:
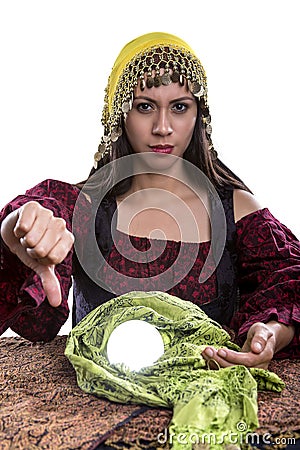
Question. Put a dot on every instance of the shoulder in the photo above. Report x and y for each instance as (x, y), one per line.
(244, 203)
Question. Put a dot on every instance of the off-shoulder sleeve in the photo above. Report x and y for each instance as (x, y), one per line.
(23, 305)
(268, 276)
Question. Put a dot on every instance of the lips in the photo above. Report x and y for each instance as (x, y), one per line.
(162, 148)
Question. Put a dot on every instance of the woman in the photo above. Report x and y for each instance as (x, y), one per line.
(156, 168)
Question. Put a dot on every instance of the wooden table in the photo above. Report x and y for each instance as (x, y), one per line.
(43, 408)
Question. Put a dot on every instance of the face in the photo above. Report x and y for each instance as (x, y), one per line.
(162, 120)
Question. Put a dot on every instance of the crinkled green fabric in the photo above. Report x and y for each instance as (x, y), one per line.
(217, 407)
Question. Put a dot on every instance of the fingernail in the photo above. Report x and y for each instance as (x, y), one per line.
(258, 346)
(209, 352)
(222, 353)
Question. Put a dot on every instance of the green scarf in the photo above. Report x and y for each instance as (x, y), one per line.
(214, 406)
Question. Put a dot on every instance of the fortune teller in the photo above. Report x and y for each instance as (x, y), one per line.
(159, 211)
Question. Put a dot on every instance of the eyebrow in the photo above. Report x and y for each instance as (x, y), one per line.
(148, 99)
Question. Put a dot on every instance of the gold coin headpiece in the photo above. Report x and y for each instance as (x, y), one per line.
(152, 60)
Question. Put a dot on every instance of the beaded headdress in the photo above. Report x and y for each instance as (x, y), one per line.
(141, 62)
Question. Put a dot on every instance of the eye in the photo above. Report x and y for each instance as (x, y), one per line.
(180, 107)
(143, 107)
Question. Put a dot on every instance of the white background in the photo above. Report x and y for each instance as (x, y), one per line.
(56, 56)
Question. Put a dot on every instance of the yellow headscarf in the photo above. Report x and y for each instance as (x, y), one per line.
(137, 46)
(140, 57)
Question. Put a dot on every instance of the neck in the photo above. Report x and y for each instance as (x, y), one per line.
(171, 176)
(154, 181)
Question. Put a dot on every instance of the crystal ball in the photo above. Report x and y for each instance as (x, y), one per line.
(136, 344)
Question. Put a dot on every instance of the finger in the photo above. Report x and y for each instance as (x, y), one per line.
(53, 247)
(228, 357)
(260, 338)
(213, 360)
(225, 358)
(61, 250)
(35, 229)
(26, 218)
(51, 285)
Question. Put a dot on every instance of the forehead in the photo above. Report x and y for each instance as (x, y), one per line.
(170, 92)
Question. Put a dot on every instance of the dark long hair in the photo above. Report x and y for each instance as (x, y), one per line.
(197, 153)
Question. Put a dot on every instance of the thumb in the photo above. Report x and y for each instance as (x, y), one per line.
(260, 338)
(257, 344)
(51, 285)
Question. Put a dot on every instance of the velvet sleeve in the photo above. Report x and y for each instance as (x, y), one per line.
(268, 276)
(23, 305)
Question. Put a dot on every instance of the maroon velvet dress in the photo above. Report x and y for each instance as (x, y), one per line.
(268, 272)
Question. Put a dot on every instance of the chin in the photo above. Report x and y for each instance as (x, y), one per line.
(161, 162)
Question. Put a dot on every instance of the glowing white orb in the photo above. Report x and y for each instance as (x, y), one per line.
(136, 344)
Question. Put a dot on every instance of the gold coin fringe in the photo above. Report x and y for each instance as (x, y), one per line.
(179, 66)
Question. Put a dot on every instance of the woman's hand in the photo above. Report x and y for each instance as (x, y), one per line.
(262, 342)
(40, 241)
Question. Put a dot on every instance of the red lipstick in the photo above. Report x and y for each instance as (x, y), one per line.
(167, 148)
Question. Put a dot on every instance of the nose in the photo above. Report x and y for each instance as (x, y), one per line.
(162, 124)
